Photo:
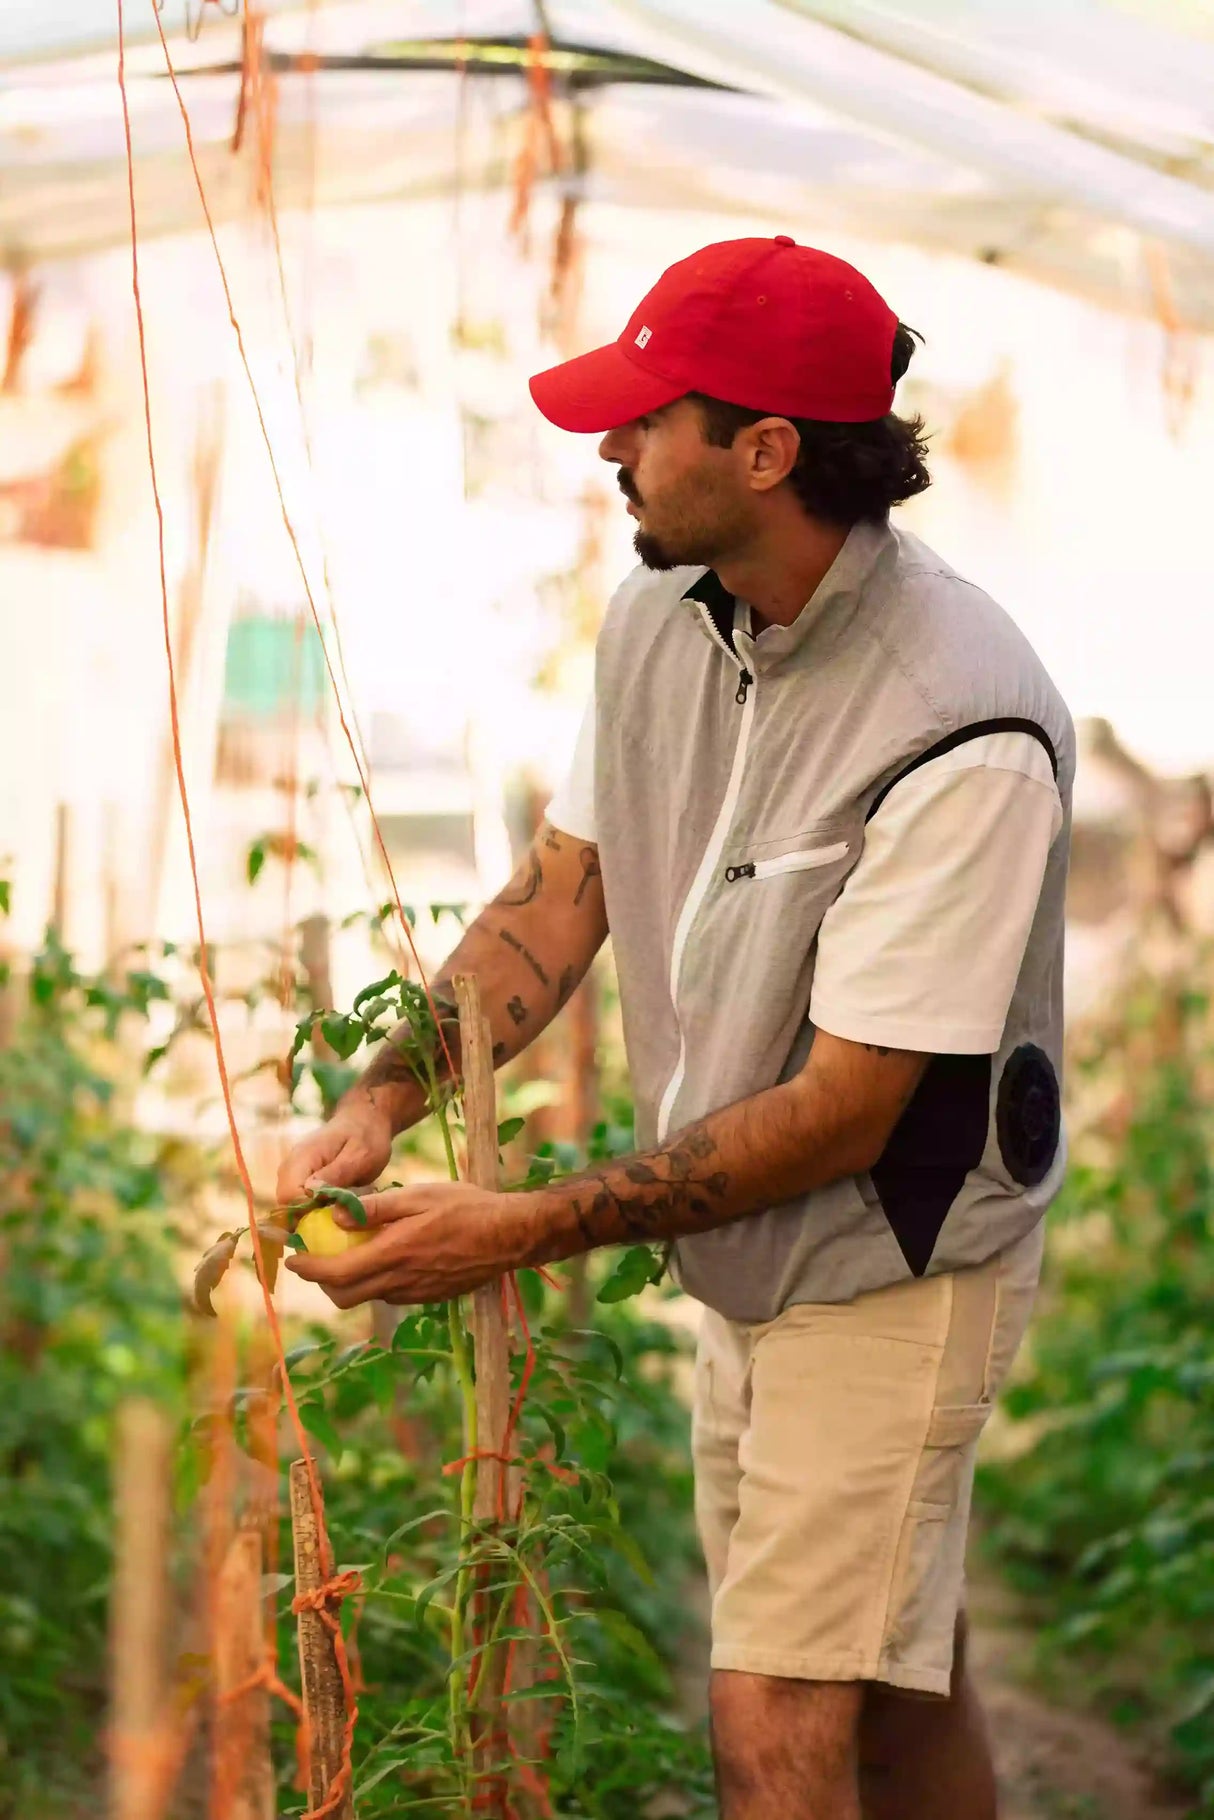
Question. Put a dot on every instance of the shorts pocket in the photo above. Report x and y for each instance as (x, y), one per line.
(955, 1427)
(925, 1591)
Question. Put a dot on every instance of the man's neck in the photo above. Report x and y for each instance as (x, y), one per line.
(777, 576)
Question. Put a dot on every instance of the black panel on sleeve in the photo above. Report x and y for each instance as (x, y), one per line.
(963, 736)
(938, 1140)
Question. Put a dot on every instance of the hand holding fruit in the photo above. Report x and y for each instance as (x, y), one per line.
(353, 1148)
(324, 1238)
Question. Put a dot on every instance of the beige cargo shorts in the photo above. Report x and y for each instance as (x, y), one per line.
(834, 1459)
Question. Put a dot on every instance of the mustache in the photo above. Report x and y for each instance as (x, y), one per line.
(627, 488)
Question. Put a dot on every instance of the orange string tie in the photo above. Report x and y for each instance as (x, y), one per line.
(478, 1453)
(330, 1592)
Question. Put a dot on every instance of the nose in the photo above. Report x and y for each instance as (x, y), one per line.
(615, 445)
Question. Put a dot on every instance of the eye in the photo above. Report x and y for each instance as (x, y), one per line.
(644, 423)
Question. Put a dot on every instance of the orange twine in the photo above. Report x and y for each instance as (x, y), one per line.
(327, 1599)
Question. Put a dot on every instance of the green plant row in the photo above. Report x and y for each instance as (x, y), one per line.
(1102, 1508)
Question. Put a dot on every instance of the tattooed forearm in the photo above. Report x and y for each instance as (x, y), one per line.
(527, 950)
(512, 941)
(392, 1068)
(678, 1189)
(526, 884)
(589, 861)
(831, 1121)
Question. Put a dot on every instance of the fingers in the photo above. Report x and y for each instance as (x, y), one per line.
(333, 1155)
(375, 1272)
(314, 1153)
(385, 1207)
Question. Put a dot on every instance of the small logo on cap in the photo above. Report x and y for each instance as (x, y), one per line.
(644, 337)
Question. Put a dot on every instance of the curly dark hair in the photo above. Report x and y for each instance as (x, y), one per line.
(844, 471)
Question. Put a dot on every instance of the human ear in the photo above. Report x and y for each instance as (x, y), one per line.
(772, 454)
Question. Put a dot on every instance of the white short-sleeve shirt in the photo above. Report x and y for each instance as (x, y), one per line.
(952, 868)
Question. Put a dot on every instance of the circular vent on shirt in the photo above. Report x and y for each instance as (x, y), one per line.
(1028, 1115)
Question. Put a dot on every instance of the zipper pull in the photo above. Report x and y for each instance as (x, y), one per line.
(744, 682)
(744, 871)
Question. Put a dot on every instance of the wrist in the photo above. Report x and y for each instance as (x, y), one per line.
(548, 1230)
(381, 1103)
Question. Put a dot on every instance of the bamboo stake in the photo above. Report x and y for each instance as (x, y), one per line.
(242, 1718)
(61, 877)
(491, 1352)
(139, 1738)
(489, 1333)
(323, 1698)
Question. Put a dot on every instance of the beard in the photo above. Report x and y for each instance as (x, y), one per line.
(700, 523)
(653, 554)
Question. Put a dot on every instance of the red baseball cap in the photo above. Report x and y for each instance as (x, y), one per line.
(763, 323)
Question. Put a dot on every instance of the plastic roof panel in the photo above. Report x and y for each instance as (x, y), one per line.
(1070, 139)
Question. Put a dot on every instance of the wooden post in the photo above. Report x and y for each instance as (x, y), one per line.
(489, 1331)
(139, 1736)
(491, 1351)
(323, 1697)
(315, 956)
(242, 1718)
(61, 876)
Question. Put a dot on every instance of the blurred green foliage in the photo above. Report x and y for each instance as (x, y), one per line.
(1102, 1508)
(92, 1223)
(607, 1534)
(89, 1315)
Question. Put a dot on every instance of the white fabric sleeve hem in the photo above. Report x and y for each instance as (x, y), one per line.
(918, 1036)
(923, 947)
(572, 806)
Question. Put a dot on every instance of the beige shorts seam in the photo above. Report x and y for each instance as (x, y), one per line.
(802, 1666)
(793, 1665)
(908, 1491)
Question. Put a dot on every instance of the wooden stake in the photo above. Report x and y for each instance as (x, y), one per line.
(61, 876)
(489, 1330)
(242, 1720)
(139, 1736)
(491, 1352)
(323, 1698)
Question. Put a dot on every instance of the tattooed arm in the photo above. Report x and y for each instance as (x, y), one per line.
(440, 1239)
(832, 1120)
(529, 949)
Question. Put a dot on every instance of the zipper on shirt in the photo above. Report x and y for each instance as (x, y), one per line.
(746, 696)
(787, 862)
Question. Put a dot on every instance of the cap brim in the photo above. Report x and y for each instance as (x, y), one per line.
(600, 391)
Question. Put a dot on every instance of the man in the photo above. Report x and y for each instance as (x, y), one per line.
(821, 801)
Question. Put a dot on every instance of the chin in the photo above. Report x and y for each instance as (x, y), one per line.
(652, 553)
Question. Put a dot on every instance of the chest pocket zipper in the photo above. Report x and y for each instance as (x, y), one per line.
(804, 861)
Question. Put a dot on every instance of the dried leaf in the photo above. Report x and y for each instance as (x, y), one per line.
(211, 1268)
(273, 1235)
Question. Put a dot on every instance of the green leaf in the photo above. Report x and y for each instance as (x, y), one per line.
(635, 1271)
(376, 989)
(303, 1031)
(316, 1420)
(508, 1130)
(256, 860)
(343, 1034)
(333, 1078)
(557, 1431)
(344, 1197)
(6, 896)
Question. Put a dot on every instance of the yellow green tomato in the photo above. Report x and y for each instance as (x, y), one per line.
(324, 1238)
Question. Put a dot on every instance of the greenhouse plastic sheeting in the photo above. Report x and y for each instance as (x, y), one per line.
(1070, 139)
